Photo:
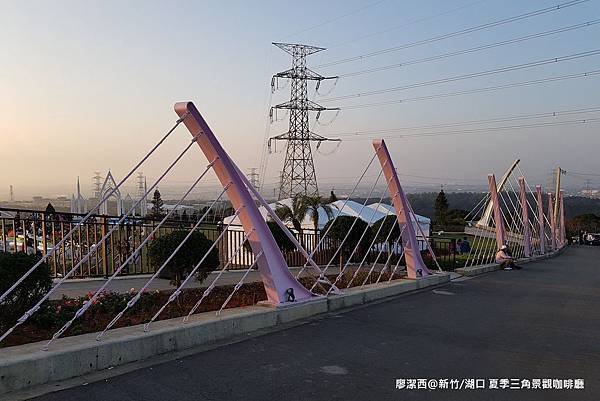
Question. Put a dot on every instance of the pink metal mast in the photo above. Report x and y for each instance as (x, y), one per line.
(415, 267)
(552, 221)
(541, 220)
(279, 282)
(525, 218)
(500, 233)
(563, 233)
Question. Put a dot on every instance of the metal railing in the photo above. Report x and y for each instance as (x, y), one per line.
(36, 232)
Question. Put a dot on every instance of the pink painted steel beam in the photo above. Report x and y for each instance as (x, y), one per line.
(271, 265)
(525, 218)
(415, 267)
(552, 221)
(540, 218)
(500, 233)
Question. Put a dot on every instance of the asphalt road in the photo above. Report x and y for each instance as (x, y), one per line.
(539, 322)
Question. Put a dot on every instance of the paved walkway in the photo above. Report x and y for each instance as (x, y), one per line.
(81, 287)
(122, 284)
(539, 322)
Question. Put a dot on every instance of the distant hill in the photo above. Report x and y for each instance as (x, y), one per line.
(423, 202)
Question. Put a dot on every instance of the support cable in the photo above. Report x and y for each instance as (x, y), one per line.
(414, 216)
(383, 245)
(372, 244)
(482, 202)
(137, 297)
(239, 283)
(322, 275)
(87, 304)
(209, 289)
(351, 226)
(518, 215)
(477, 246)
(385, 265)
(94, 209)
(37, 306)
(339, 276)
(177, 292)
(396, 267)
(509, 222)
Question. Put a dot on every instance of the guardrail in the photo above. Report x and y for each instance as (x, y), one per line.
(34, 231)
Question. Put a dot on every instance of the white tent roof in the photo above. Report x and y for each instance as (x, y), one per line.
(179, 208)
(389, 210)
(354, 209)
(370, 213)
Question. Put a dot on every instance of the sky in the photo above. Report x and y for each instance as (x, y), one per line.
(90, 85)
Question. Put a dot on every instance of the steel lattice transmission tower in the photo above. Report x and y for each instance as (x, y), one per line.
(298, 176)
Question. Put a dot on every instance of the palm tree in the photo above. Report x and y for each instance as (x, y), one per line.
(312, 205)
(301, 206)
(294, 215)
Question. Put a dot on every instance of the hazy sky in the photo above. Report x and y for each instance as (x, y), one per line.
(90, 85)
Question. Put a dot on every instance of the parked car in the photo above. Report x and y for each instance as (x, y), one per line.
(592, 239)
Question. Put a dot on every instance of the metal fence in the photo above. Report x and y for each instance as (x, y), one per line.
(36, 232)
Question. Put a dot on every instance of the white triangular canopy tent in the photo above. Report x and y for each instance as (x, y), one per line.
(369, 213)
(423, 222)
(179, 208)
(307, 223)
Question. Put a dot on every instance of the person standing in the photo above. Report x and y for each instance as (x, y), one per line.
(465, 246)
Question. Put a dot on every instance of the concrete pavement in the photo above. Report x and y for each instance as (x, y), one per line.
(539, 322)
(81, 287)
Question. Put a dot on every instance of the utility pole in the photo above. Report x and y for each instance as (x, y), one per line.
(141, 192)
(253, 177)
(12, 195)
(97, 184)
(140, 185)
(559, 172)
(298, 169)
(588, 190)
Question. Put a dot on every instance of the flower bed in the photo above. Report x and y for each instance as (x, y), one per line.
(54, 314)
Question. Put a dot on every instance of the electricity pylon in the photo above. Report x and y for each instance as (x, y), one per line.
(298, 175)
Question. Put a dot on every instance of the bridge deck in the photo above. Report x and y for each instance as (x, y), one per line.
(539, 322)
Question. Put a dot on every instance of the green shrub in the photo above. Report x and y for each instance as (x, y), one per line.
(282, 240)
(30, 291)
(389, 223)
(186, 258)
(341, 228)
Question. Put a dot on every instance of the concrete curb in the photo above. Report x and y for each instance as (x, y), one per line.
(26, 365)
(477, 270)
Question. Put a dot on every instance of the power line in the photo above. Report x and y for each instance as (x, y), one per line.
(477, 90)
(414, 21)
(298, 176)
(468, 76)
(485, 130)
(475, 122)
(457, 33)
(472, 49)
(329, 21)
(584, 174)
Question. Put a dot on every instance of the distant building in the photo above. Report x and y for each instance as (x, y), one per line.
(78, 203)
(123, 204)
